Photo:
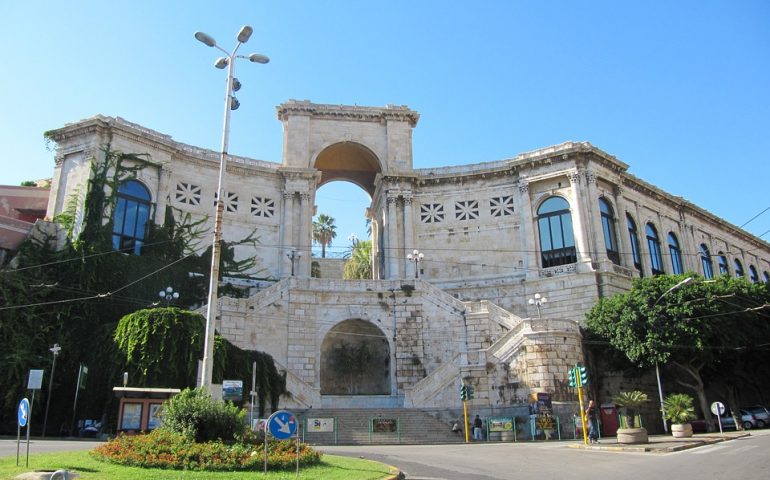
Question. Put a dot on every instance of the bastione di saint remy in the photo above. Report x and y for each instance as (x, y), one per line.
(568, 221)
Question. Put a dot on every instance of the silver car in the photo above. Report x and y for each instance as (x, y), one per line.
(760, 413)
(748, 420)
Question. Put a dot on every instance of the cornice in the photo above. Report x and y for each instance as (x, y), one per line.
(399, 113)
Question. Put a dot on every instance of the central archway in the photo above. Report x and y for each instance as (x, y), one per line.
(355, 360)
(349, 161)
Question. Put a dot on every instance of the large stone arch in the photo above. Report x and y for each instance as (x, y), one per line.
(355, 360)
(350, 161)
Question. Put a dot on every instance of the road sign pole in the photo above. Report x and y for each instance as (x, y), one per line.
(29, 424)
(582, 411)
(465, 414)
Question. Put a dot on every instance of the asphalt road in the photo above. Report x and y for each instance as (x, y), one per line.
(744, 458)
(739, 459)
(8, 446)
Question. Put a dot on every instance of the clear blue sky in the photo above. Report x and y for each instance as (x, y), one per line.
(679, 90)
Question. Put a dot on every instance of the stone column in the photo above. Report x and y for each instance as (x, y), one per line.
(305, 234)
(578, 223)
(527, 231)
(621, 229)
(599, 249)
(409, 240)
(391, 252)
(288, 232)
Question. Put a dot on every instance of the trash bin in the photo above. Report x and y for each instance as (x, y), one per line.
(609, 419)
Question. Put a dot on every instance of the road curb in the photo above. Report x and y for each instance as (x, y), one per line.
(659, 447)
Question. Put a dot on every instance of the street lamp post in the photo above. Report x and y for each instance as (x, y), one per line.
(231, 103)
(538, 301)
(169, 295)
(657, 369)
(55, 350)
(416, 256)
(291, 256)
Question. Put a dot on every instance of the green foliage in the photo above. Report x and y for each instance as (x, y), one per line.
(324, 231)
(170, 450)
(195, 415)
(28, 183)
(678, 408)
(630, 402)
(161, 346)
(359, 264)
(75, 295)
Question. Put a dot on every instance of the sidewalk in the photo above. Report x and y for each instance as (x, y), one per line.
(662, 443)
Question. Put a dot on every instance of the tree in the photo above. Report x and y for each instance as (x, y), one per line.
(359, 264)
(324, 231)
(697, 328)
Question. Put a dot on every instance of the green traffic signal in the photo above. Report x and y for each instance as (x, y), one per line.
(582, 375)
(572, 382)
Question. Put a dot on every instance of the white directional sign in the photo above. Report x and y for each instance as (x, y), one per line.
(282, 424)
(718, 408)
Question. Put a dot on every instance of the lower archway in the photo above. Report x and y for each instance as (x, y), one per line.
(355, 360)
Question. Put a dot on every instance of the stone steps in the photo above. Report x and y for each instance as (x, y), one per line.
(353, 427)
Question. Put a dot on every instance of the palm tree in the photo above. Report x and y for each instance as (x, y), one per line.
(359, 265)
(324, 231)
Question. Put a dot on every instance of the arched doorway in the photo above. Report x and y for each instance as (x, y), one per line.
(355, 360)
(349, 161)
(344, 193)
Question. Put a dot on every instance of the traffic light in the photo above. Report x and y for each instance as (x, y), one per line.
(572, 382)
(582, 375)
(463, 393)
(469, 390)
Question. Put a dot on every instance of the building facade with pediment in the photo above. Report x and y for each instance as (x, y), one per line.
(568, 221)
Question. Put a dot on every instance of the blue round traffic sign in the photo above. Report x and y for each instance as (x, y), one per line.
(282, 424)
(23, 412)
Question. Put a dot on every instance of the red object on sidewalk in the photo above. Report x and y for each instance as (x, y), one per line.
(609, 419)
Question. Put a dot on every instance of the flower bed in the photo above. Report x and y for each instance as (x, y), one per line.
(165, 449)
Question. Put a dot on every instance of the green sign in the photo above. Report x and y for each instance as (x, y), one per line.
(500, 424)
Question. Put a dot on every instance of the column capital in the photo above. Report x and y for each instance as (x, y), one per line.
(523, 186)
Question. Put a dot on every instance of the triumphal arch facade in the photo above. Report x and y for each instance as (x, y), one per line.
(560, 221)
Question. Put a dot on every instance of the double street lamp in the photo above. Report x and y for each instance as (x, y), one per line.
(416, 256)
(538, 302)
(231, 103)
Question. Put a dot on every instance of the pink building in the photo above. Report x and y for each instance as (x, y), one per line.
(20, 207)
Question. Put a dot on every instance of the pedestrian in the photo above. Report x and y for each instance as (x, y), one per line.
(477, 425)
(593, 425)
(457, 428)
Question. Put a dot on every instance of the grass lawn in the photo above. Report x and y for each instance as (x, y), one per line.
(331, 468)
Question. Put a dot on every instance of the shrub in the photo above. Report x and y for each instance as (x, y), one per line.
(166, 449)
(678, 408)
(198, 417)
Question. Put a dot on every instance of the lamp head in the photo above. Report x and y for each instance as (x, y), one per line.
(221, 62)
(257, 58)
(204, 38)
(245, 34)
(234, 103)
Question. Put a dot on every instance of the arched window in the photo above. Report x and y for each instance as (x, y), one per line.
(753, 274)
(738, 268)
(557, 240)
(129, 222)
(634, 244)
(676, 254)
(722, 260)
(608, 225)
(653, 244)
(705, 260)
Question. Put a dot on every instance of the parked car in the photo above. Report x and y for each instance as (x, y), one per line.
(748, 420)
(761, 413)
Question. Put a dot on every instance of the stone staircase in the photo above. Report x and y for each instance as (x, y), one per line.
(352, 425)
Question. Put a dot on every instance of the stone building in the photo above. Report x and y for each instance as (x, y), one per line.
(567, 221)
